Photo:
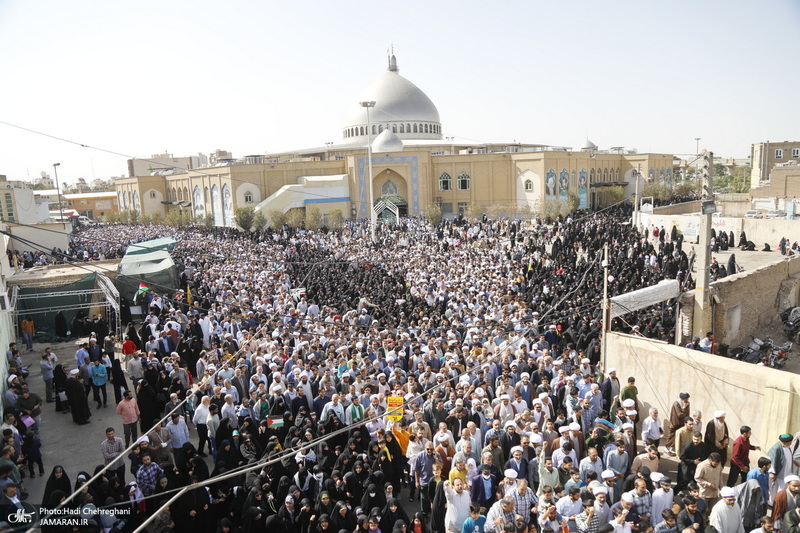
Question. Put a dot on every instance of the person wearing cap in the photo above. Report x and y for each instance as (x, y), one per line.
(781, 456)
(624, 514)
(77, 398)
(678, 413)
(717, 437)
(786, 501)
(694, 344)
(517, 463)
(525, 389)
(726, 516)
(663, 496)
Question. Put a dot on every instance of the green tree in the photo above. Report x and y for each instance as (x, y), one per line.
(657, 190)
(611, 195)
(244, 217)
(433, 212)
(570, 206)
(719, 169)
(259, 221)
(313, 218)
(473, 212)
(335, 219)
(207, 220)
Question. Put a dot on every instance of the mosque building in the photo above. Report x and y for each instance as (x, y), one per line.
(413, 166)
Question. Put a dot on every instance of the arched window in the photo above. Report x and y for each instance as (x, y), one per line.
(248, 197)
(362, 130)
(408, 128)
(389, 188)
(573, 178)
(605, 174)
(374, 129)
(402, 128)
(591, 176)
(617, 175)
(180, 195)
(445, 182)
(426, 128)
(394, 128)
(205, 195)
(380, 128)
(415, 128)
(463, 181)
(528, 185)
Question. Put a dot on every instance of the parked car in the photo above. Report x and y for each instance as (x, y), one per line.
(754, 213)
(775, 213)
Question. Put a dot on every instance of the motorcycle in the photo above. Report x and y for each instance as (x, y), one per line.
(778, 356)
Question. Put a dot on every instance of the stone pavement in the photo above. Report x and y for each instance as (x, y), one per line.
(76, 448)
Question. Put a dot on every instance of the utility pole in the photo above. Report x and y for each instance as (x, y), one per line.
(606, 309)
(702, 307)
(636, 204)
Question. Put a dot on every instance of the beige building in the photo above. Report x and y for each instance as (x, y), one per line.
(94, 205)
(766, 155)
(413, 166)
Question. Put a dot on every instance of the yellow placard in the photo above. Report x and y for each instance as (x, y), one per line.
(394, 407)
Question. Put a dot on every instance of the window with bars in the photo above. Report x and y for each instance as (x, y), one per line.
(463, 181)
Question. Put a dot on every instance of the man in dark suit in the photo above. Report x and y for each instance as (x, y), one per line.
(484, 486)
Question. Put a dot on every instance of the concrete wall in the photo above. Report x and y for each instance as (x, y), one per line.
(46, 236)
(684, 208)
(763, 398)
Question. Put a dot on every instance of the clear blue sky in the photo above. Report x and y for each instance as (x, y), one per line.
(250, 77)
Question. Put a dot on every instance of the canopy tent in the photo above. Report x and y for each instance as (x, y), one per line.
(152, 266)
(146, 247)
(54, 308)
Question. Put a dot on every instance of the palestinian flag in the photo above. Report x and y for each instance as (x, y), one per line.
(140, 291)
(275, 422)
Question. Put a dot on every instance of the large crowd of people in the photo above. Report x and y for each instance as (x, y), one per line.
(441, 380)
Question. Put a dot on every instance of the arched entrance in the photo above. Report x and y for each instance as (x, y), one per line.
(391, 203)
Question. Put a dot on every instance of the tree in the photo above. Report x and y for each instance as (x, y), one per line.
(244, 217)
(259, 221)
(658, 191)
(433, 213)
(473, 212)
(313, 218)
(570, 206)
(719, 169)
(335, 219)
(550, 208)
(277, 219)
(295, 217)
(207, 220)
(611, 195)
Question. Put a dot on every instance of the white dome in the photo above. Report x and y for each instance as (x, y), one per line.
(387, 142)
(588, 145)
(400, 106)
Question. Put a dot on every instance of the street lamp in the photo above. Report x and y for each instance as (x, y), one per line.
(367, 106)
(58, 192)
